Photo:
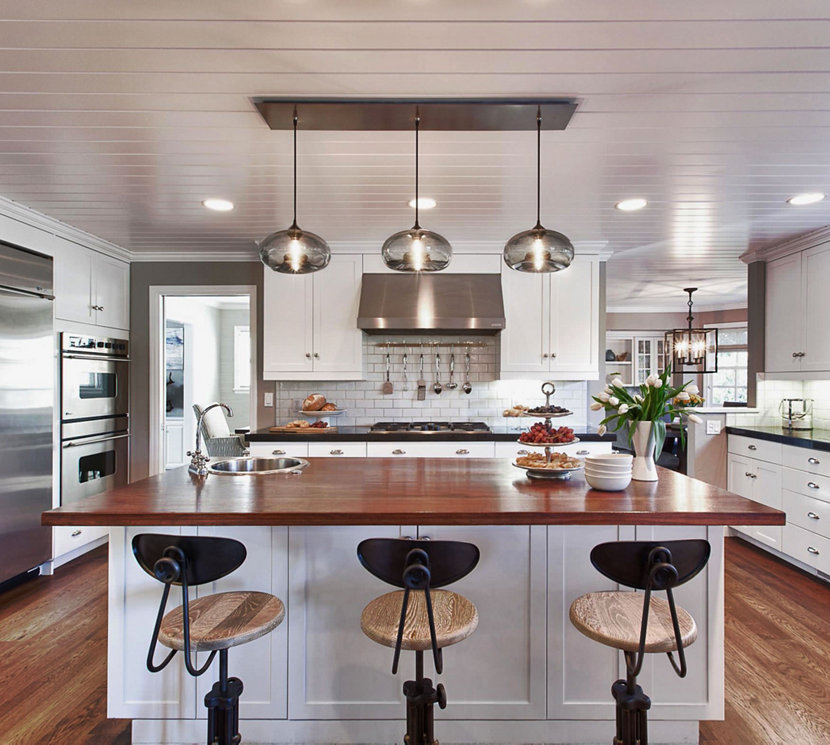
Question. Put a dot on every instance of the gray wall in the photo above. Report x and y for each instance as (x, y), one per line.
(143, 275)
(668, 321)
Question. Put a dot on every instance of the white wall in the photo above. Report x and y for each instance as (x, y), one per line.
(239, 401)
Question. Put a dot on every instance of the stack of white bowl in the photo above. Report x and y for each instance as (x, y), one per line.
(608, 471)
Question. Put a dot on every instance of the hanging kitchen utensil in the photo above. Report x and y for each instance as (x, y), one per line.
(438, 387)
(452, 385)
(387, 386)
(405, 385)
(422, 383)
(466, 387)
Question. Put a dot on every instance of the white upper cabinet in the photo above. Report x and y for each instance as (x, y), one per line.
(92, 288)
(310, 323)
(552, 322)
(797, 308)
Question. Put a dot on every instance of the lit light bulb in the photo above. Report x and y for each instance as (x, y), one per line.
(295, 255)
(538, 255)
(417, 254)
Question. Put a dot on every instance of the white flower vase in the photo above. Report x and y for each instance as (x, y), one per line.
(644, 468)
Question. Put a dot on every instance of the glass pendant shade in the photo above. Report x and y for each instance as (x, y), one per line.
(294, 251)
(538, 250)
(692, 350)
(416, 250)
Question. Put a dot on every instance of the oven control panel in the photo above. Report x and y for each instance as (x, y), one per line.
(104, 345)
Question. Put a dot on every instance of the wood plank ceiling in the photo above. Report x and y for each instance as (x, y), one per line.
(120, 117)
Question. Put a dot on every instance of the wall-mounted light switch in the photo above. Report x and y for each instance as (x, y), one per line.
(713, 427)
(269, 399)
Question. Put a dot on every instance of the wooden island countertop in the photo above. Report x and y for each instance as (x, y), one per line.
(390, 491)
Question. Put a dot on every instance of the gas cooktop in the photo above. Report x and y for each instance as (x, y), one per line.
(428, 427)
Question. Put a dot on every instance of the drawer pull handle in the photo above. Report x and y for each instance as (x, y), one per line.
(278, 452)
(813, 516)
(814, 461)
(813, 550)
(752, 447)
(76, 533)
(522, 452)
(335, 452)
(582, 452)
(813, 485)
(462, 451)
(397, 451)
(751, 475)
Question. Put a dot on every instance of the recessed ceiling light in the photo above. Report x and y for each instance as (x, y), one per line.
(631, 205)
(424, 203)
(218, 205)
(809, 197)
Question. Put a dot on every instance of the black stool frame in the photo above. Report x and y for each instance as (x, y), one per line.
(190, 561)
(419, 565)
(647, 566)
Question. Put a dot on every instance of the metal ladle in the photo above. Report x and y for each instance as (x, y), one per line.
(452, 385)
(466, 387)
(437, 387)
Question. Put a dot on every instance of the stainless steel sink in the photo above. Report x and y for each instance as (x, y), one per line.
(257, 466)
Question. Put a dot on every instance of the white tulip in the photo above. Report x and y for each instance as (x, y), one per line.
(695, 418)
(657, 383)
(608, 389)
(693, 389)
(596, 406)
(614, 401)
(623, 408)
(638, 398)
(683, 396)
(601, 430)
(650, 379)
(617, 382)
(603, 397)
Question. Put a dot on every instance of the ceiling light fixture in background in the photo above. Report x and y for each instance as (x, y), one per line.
(424, 203)
(631, 205)
(294, 251)
(416, 249)
(218, 205)
(809, 197)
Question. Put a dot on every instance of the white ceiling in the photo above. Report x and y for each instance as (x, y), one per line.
(120, 117)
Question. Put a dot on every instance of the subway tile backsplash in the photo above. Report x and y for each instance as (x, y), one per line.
(366, 403)
(770, 393)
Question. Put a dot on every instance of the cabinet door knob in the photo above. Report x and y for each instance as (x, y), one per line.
(751, 447)
(398, 451)
(813, 550)
(336, 452)
(545, 356)
(76, 533)
(814, 461)
(316, 356)
(462, 451)
(813, 516)
(278, 452)
(813, 485)
(308, 355)
(795, 354)
(553, 355)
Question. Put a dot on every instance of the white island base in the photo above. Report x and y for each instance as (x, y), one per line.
(525, 676)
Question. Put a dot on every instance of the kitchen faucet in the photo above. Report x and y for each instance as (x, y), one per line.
(198, 462)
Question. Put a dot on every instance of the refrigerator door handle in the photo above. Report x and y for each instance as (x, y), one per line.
(27, 293)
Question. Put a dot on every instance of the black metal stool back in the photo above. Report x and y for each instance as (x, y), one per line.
(649, 566)
(417, 565)
(186, 561)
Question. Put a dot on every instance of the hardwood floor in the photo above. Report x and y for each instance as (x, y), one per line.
(777, 654)
(53, 671)
(53, 646)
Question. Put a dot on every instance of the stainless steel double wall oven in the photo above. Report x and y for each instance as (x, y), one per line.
(95, 424)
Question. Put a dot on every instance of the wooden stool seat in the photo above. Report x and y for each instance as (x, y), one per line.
(223, 620)
(456, 618)
(615, 619)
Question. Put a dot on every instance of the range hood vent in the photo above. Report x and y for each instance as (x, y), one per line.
(431, 303)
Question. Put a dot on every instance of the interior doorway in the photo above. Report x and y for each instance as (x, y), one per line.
(202, 352)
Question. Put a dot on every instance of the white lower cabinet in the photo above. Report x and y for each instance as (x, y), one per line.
(337, 450)
(67, 539)
(761, 482)
(402, 449)
(290, 448)
(578, 450)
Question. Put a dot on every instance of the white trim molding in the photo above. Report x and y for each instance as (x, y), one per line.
(794, 245)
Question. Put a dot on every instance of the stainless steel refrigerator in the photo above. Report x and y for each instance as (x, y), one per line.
(27, 390)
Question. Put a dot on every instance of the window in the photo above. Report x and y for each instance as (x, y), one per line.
(729, 382)
(242, 358)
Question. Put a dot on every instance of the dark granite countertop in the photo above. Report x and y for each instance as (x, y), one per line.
(815, 439)
(503, 433)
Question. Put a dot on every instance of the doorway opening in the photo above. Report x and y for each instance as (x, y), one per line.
(204, 354)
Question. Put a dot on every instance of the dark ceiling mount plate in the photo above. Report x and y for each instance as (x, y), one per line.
(448, 115)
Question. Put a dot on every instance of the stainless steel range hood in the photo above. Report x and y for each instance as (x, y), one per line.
(431, 303)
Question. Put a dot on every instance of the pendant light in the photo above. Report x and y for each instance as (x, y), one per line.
(294, 251)
(691, 349)
(538, 249)
(416, 249)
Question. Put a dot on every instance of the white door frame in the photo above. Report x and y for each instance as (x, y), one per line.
(156, 385)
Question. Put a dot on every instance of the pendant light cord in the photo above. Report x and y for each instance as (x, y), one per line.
(538, 167)
(417, 127)
(295, 169)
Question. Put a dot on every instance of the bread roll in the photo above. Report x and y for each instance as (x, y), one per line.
(329, 407)
(314, 402)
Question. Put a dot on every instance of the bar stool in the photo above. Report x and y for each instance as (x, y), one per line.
(212, 623)
(419, 617)
(640, 624)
